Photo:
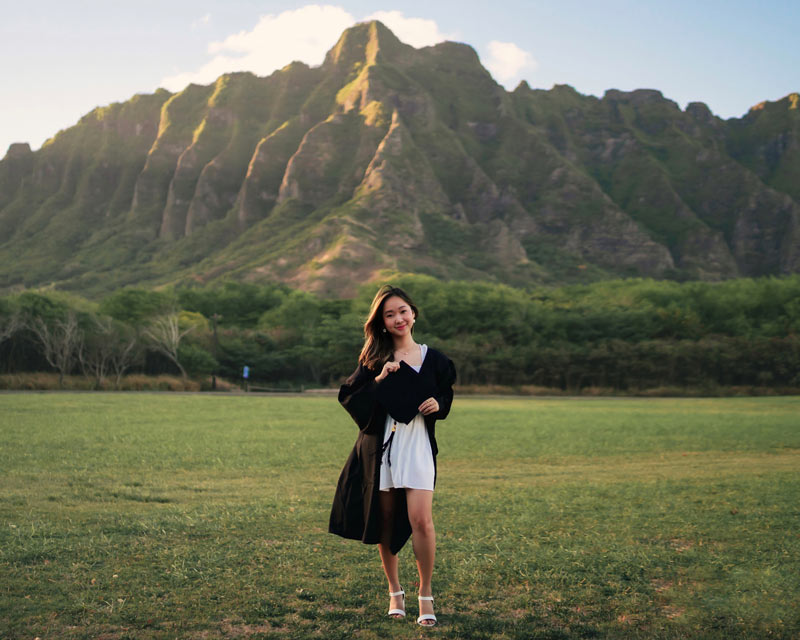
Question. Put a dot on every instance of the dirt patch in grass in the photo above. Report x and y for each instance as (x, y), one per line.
(671, 612)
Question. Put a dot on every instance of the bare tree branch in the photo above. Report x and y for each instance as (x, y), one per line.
(123, 356)
(95, 357)
(165, 337)
(62, 343)
(10, 324)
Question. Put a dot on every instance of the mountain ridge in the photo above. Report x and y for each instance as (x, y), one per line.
(387, 157)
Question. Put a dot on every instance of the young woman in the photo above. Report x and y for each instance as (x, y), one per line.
(385, 491)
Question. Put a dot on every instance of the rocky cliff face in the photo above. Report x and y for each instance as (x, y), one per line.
(389, 157)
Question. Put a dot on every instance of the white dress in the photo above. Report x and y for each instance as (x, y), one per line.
(411, 455)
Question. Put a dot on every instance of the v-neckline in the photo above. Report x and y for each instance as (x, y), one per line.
(423, 358)
(422, 363)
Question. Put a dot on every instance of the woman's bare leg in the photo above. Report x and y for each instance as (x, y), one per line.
(423, 537)
(389, 559)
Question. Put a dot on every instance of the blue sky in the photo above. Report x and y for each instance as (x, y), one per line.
(62, 59)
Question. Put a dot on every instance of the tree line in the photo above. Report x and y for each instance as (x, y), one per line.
(622, 334)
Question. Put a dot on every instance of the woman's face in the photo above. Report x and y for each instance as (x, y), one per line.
(398, 317)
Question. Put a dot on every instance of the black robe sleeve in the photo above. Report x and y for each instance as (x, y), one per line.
(446, 378)
(358, 395)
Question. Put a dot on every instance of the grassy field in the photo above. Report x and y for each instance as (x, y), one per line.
(199, 516)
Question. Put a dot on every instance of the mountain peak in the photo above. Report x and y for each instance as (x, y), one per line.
(790, 103)
(366, 41)
(18, 149)
(639, 97)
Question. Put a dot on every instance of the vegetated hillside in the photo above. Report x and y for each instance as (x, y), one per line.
(392, 158)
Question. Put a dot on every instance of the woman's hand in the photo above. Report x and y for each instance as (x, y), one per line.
(429, 406)
(388, 368)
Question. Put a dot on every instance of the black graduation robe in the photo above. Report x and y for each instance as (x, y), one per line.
(356, 510)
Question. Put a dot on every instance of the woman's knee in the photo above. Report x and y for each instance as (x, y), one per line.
(421, 523)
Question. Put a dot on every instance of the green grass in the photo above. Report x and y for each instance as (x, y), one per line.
(189, 516)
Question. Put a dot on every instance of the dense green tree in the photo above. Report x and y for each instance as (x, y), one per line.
(135, 306)
(295, 319)
(37, 305)
(196, 361)
(239, 304)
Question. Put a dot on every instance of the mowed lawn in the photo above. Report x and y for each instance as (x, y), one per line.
(198, 516)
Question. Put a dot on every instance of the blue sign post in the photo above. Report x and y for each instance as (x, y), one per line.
(245, 376)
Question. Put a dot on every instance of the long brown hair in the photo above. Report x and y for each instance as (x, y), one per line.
(378, 344)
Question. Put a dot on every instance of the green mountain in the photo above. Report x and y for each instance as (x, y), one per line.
(388, 157)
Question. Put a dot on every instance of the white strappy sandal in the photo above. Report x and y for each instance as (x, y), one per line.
(426, 616)
(398, 612)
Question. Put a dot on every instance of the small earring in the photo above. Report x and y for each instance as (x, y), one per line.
(384, 329)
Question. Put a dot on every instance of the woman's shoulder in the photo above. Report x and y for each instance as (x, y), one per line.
(436, 355)
(442, 367)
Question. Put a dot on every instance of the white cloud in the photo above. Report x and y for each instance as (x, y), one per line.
(206, 19)
(304, 34)
(418, 32)
(507, 61)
